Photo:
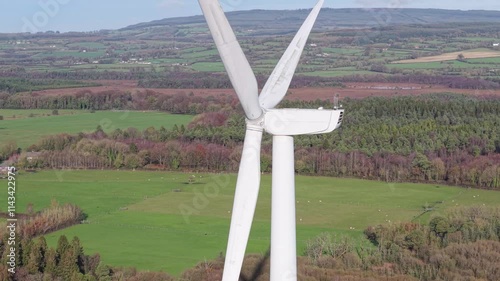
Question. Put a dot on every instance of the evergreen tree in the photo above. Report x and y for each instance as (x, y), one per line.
(68, 265)
(103, 273)
(62, 247)
(51, 262)
(36, 260)
(78, 254)
(24, 251)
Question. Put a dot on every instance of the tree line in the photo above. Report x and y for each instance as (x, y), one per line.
(67, 261)
(19, 81)
(16, 85)
(452, 139)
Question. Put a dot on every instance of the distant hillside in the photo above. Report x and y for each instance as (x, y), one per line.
(289, 20)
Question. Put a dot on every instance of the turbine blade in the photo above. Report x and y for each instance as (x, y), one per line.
(236, 64)
(245, 200)
(279, 81)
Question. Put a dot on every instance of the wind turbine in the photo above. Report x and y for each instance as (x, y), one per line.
(283, 124)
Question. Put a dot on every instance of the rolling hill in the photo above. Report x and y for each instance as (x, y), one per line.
(283, 21)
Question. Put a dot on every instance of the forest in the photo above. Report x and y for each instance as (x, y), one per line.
(54, 80)
(441, 138)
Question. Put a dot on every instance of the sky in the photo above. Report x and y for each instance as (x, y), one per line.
(90, 15)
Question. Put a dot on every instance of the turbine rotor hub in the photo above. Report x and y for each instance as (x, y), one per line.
(256, 124)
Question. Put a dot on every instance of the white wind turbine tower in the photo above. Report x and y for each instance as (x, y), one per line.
(282, 124)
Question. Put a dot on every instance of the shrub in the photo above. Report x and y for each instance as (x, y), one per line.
(51, 219)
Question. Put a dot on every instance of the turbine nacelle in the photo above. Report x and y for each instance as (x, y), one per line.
(294, 122)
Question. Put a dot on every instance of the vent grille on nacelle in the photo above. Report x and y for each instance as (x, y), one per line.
(341, 117)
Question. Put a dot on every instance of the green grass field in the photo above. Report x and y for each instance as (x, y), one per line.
(435, 65)
(208, 66)
(496, 61)
(335, 73)
(199, 54)
(18, 126)
(342, 51)
(156, 221)
(75, 54)
(90, 45)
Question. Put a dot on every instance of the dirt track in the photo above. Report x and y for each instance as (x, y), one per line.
(353, 90)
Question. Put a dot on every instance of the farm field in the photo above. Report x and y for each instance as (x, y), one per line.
(167, 224)
(25, 130)
(469, 54)
(334, 51)
(322, 58)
